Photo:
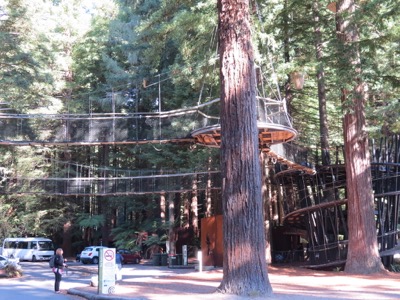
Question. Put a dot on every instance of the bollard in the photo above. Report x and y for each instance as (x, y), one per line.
(200, 259)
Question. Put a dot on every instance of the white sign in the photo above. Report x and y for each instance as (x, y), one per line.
(107, 271)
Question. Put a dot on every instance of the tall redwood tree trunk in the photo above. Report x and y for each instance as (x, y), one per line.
(363, 256)
(171, 219)
(244, 263)
(323, 114)
(194, 209)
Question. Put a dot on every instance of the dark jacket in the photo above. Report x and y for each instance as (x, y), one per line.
(59, 262)
(119, 259)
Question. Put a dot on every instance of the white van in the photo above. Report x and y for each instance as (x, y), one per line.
(33, 248)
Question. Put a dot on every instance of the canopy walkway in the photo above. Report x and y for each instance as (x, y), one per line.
(78, 180)
(199, 124)
(150, 183)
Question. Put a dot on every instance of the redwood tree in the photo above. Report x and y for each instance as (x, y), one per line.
(363, 256)
(323, 114)
(244, 263)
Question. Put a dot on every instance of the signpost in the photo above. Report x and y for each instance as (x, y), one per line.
(200, 259)
(185, 255)
(106, 271)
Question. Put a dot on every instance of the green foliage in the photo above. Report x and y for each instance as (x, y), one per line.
(6, 226)
(150, 232)
(92, 221)
(27, 57)
(156, 240)
(29, 214)
(379, 45)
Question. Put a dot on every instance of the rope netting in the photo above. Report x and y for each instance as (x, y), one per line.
(112, 186)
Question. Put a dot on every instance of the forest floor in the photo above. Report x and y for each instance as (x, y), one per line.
(288, 282)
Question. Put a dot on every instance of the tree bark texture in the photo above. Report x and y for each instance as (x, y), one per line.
(267, 205)
(194, 209)
(209, 212)
(163, 213)
(171, 219)
(244, 264)
(363, 255)
(186, 211)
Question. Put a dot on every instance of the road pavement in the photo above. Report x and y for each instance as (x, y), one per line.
(147, 282)
(38, 283)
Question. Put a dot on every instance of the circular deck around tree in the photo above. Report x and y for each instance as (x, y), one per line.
(268, 134)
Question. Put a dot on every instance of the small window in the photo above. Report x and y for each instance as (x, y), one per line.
(45, 245)
(23, 245)
(10, 244)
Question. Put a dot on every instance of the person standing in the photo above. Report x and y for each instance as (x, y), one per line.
(119, 259)
(58, 269)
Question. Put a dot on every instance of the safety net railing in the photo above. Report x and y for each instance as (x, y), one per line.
(133, 127)
(109, 186)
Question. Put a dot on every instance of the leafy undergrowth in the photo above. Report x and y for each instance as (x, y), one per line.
(11, 270)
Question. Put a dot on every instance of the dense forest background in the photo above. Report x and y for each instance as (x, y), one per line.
(79, 56)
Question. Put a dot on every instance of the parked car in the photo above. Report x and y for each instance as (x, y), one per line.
(5, 260)
(90, 255)
(130, 256)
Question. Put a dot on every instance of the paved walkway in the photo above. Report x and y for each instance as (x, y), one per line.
(146, 282)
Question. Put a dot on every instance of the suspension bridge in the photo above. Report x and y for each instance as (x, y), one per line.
(195, 125)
